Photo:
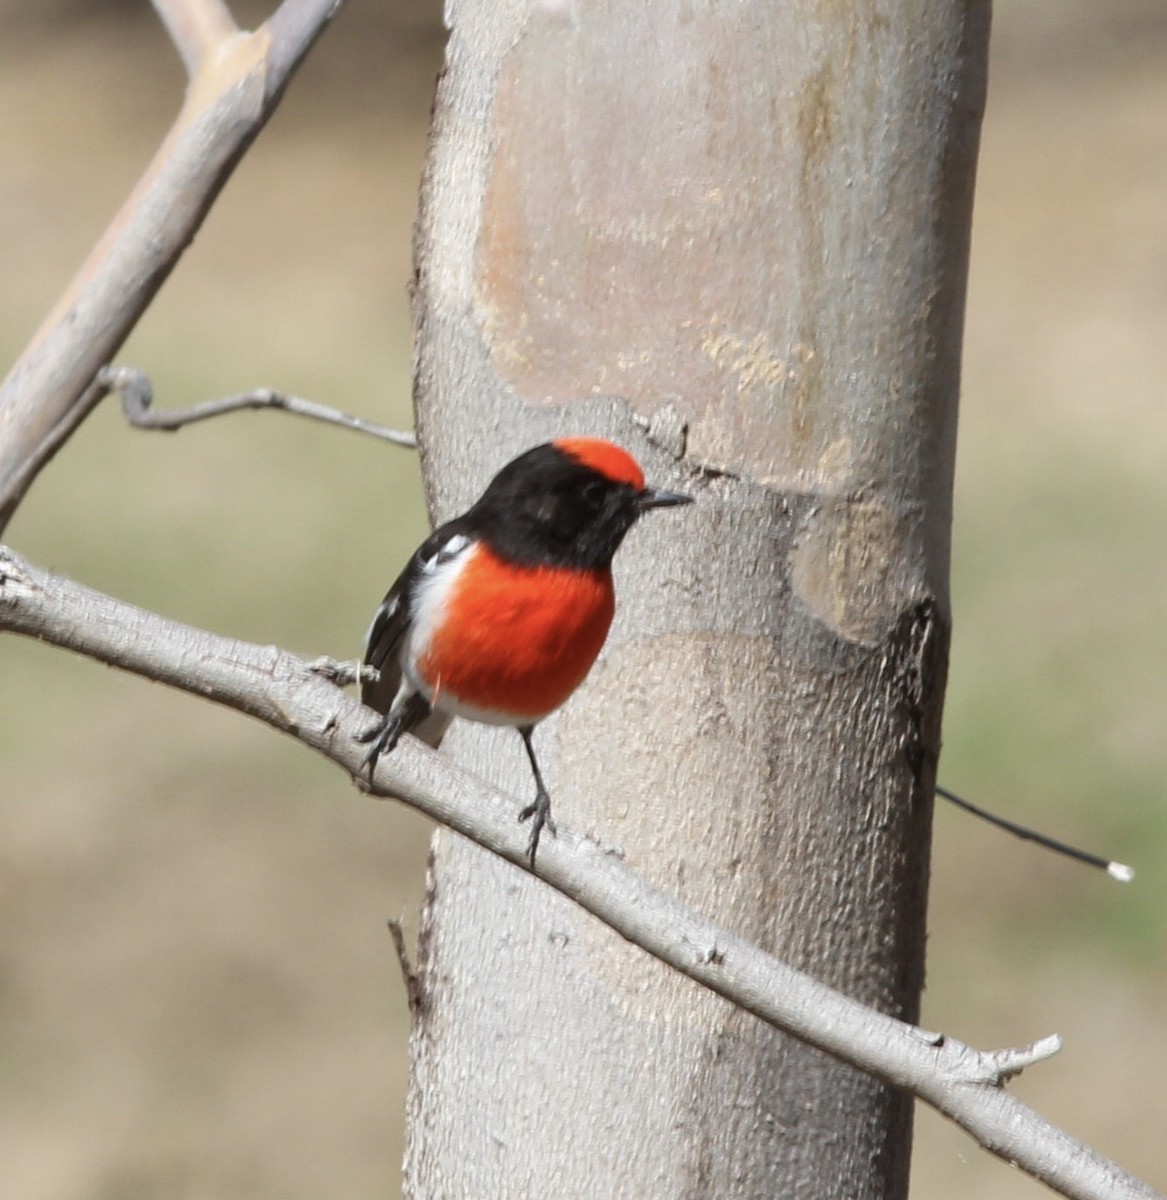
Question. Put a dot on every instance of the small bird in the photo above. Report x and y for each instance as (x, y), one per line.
(500, 613)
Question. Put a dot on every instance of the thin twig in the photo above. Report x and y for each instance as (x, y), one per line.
(1116, 870)
(1011, 1062)
(284, 692)
(137, 395)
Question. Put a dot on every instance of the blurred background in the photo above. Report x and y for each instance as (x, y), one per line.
(198, 993)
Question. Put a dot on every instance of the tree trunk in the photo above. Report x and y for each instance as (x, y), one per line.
(733, 238)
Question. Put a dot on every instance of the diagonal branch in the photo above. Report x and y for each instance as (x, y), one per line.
(295, 698)
(51, 389)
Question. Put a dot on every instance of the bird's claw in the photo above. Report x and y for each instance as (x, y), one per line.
(343, 673)
(381, 739)
(540, 809)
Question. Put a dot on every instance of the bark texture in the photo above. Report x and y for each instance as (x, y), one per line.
(734, 239)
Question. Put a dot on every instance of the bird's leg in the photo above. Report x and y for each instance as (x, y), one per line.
(384, 736)
(540, 809)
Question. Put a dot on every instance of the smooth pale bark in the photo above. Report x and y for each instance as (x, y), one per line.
(733, 238)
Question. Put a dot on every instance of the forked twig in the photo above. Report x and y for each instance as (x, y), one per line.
(238, 79)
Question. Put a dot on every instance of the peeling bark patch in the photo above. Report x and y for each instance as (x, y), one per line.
(648, 228)
(842, 568)
(609, 256)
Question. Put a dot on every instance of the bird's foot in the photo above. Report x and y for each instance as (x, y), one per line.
(343, 673)
(540, 809)
(381, 739)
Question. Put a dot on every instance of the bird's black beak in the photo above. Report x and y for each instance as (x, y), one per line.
(655, 498)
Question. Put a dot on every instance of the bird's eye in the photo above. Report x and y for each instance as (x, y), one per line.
(594, 493)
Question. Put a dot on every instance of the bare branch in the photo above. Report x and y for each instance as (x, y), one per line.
(196, 27)
(289, 695)
(51, 387)
(137, 395)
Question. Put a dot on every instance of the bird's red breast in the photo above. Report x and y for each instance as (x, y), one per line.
(516, 641)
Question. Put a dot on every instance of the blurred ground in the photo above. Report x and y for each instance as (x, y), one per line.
(198, 997)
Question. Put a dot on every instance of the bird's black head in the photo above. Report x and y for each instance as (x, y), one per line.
(566, 503)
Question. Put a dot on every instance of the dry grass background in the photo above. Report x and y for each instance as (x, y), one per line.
(198, 997)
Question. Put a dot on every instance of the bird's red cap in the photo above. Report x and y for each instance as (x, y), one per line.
(604, 457)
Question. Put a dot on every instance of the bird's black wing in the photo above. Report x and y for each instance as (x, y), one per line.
(390, 626)
(384, 641)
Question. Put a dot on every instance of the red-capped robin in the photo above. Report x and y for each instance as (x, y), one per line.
(501, 612)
